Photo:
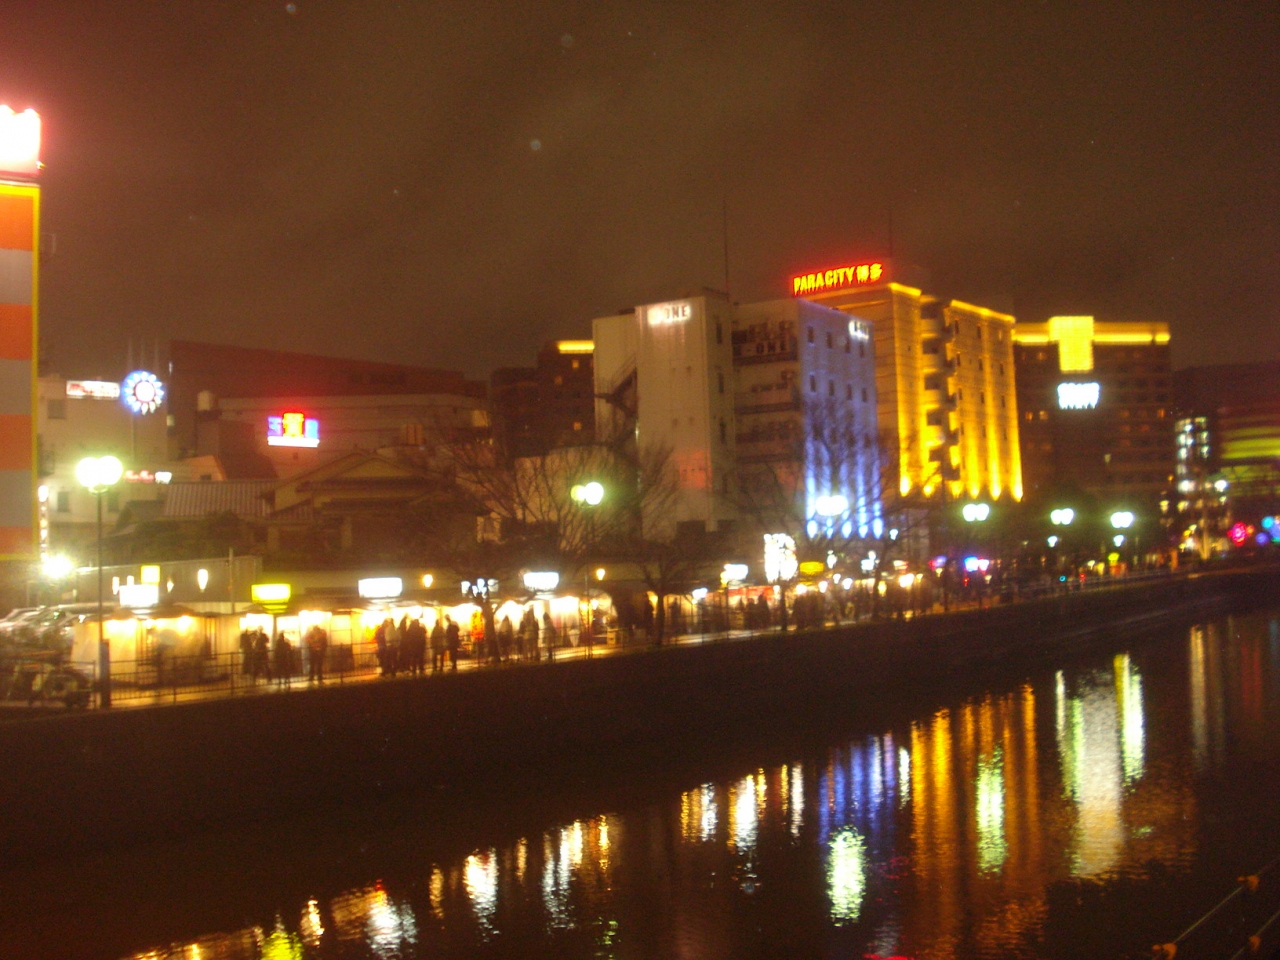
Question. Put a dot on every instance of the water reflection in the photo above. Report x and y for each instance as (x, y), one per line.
(940, 839)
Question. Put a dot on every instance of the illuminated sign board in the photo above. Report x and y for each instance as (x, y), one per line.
(93, 390)
(665, 313)
(293, 430)
(142, 392)
(139, 595)
(19, 142)
(380, 588)
(858, 275)
(859, 330)
(541, 581)
(274, 597)
(1078, 396)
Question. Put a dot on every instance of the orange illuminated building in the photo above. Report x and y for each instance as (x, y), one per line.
(19, 256)
(944, 381)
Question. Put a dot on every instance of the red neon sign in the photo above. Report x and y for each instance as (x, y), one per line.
(858, 275)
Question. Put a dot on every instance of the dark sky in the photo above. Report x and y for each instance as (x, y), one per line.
(452, 184)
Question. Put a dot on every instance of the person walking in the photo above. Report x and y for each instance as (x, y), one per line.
(506, 636)
(393, 647)
(549, 636)
(437, 646)
(261, 656)
(246, 652)
(452, 640)
(419, 648)
(282, 660)
(317, 650)
(380, 646)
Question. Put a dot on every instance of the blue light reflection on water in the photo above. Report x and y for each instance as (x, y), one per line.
(944, 837)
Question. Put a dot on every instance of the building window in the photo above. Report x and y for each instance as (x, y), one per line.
(848, 345)
(720, 380)
(982, 396)
(933, 382)
(574, 363)
(831, 388)
(864, 395)
(862, 349)
(1044, 414)
(931, 345)
(813, 384)
(63, 502)
(57, 409)
(724, 433)
(933, 418)
(848, 391)
(829, 343)
(719, 332)
(811, 334)
(577, 425)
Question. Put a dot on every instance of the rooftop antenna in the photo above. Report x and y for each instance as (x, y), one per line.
(724, 228)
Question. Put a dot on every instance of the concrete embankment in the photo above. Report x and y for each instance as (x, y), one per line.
(74, 782)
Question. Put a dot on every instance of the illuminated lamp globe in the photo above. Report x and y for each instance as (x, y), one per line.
(96, 474)
(1122, 519)
(57, 567)
(593, 493)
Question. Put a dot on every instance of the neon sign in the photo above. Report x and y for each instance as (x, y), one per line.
(858, 275)
(665, 313)
(142, 392)
(93, 390)
(1078, 396)
(293, 430)
(19, 141)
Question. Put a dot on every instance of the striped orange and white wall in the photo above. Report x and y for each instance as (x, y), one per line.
(19, 268)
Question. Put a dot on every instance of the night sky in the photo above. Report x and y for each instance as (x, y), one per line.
(452, 184)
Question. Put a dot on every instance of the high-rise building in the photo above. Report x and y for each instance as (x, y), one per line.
(666, 371)
(1097, 408)
(1228, 453)
(768, 411)
(805, 402)
(536, 409)
(19, 270)
(944, 381)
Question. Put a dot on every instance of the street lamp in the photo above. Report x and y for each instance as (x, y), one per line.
(591, 494)
(1122, 520)
(1062, 517)
(975, 512)
(98, 475)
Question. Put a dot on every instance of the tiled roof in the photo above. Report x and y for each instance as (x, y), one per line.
(191, 501)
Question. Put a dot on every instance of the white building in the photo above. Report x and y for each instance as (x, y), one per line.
(674, 360)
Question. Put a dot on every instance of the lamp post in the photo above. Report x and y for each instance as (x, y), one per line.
(98, 475)
(590, 494)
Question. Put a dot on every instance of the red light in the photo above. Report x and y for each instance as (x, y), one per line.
(1238, 533)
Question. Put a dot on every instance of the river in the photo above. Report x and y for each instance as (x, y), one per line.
(1087, 809)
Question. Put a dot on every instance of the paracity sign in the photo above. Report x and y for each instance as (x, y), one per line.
(857, 275)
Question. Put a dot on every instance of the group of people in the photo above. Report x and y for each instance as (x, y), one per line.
(518, 643)
(260, 657)
(402, 647)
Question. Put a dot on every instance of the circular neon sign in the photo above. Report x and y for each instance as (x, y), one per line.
(142, 392)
